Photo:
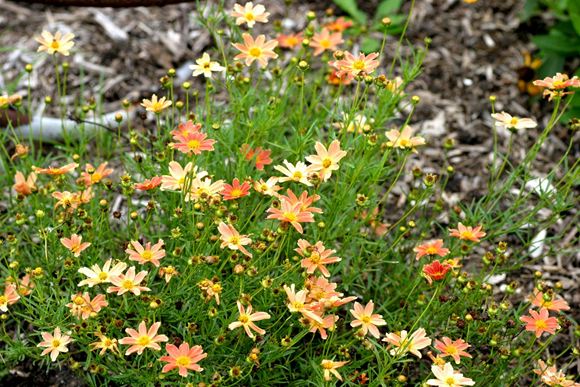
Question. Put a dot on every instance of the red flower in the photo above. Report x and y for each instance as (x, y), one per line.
(435, 271)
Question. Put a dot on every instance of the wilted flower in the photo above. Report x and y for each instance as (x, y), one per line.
(330, 367)
(149, 184)
(55, 170)
(24, 185)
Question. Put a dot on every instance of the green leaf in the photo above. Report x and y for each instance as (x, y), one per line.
(530, 9)
(388, 8)
(369, 45)
(350, 7)
(552, 63)
(558, 42)
(574, 10)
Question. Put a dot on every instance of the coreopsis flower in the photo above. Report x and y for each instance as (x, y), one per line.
(105, 344)
(330, 367)
(435, 271)
(83, 307)
(404, 139)
(320, 288)
(57, 43)
(66, 199)
(290, 41)
(405, 343)
(183, 358)
(9, 297)
(235, 190)
(24, 185)
(325, 40)
(467, 233)
(326, 160)
(297, 303)
(206, 66)
(23, 286)
(246, 320)
(298, 173)
(75, 244)
(96, 275)
(304, 200)
(128, 282)
(556, 85)
(328, 322)
(540, 322)
(455, 349)
(551, 376)
(448, 377)
(147, 253)
(148, 184)
(336, 78)
(204, 188)
(232, 239)
(6, 100)
(250, 14)
(315, 257)
(359, 123)
(507, 121)
(143, 338)
(338, 25)
(394, 85)
(54, 343)
(262, 156)
(168, 272)
(20, 150)
(92, 176)
(156, 105)
(211, 289)
(256, 50)
(193, 143)
(268, 187)
(175, 181)
(365, 319)
(290, 213)
(357, 65)
(55, 170)
(431, 248)
(550, 302)
(186, 128)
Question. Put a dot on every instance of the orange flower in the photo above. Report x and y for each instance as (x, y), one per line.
(404, 139)
(105, 344)
(250, 14)
(83, 307)
(330, 367)
(289, 41)
(262, 156)
(184, 358)
(236, 190)
(325, 40)
(147, 253)
(404, 343)
(155, 105)
(128, 282)
(435, 271)
(540, 322)
(246, 320)
(356, 65)
(55, 170)
(24, 185)
(149, 184)
(550, 302)
(256, 50)
(467, 233)
(365, 319)
(54, 343)
(290, 213)
(338, 25)
(9, 297)
(142, 339)
(326, 160)
(91, 176)
(75, 244)
(455, 349)
(431, 248)
(66, 200)
(23, 285)
(193, 143)
(20, 150)
(296, 303)
(186, 128)
(315, 257)
(232, 239)
(555, 85)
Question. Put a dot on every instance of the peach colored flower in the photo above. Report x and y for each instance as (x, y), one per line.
(558, 82)
(206, 66)
(262, 156)
(404, 343)
(357, 65)
(326, 160)
(9, 297)
(290, 213)
(330, 367)
(24, 185)
(193, 143)
(455, 349)
(256, 50)
(183, 358)
(435, 271)
(204, 188)
(175, 181)
(297, 303)
(236, 190)
(54, 343)
(143, 339)
(304, 200)
(540, 322)
(83, 307)
(551, 376)
(147, 253)
(290, 41)
(546, 301)
(246, 320)
(315, 257)
(365, 319)
(232, 239)
(55, 170)
(506, 121)
(328, 322)
(325, 40)
(298, 173)
(186, 128)
(467, 233)
(23, 286)
(404, 139)
(97, 276)
(128, 282)
(20, 150)
(105, 344)
(431, 248)
(338, 25)
(448, 377)
(149, 184)
(250, 14)
(57, 43)
(156, 105)
(66, 200)
(92, 176)
(168, 272)
(75, 244)
(268, 187)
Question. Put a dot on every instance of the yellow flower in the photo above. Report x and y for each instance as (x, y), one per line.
(55, 43)
(155, 105)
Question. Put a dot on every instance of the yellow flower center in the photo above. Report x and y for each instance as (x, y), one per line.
(405, 143)
(256, 52)
(358, 64)
(207, 65)
(297, 175)
(290, 216)
(366, 319)
(467, 235)
(327, 365)
(55, 45)
(297, 305)
(103, 276)
(236, 192)
(450, 381)
(325, 43)
(327, 162)
(451, 349)
(514, 121)
(244, 318)
(558, 84)
(55, 343)
(264, 187)
(96, 177)
(431, 250)
(235, 240)
(143, 340)
(217, 288)
(79, 300)
(181, 181)
(193, 144)
(147, 255)
(315, 257)
(3, 300)
(182, 361)
(541, 324)
(127, 284)
(249, 16)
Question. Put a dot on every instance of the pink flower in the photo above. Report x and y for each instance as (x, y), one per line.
(256, 50)
(455, 349)
(365, 319)
(467, 233)
(232, 239)
(540, 322)
(431, 248)
(193, 143)
(128, 282)
(83, 307)
(146, 254)
(54, 343)
(74, 244)
(246, 320)
(315, 257)
(326, 160)
(142, 339)
(355, 65)
(328, 322)
(546, 301)
(184, 358)
(9, 297)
